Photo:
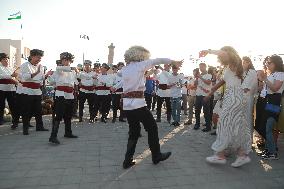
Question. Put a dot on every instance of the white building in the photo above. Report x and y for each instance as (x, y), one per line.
(16, 51)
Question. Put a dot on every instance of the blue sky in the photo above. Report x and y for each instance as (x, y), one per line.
(168, 28)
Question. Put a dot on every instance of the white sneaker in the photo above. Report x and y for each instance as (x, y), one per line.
(241, 161)
(216, 160)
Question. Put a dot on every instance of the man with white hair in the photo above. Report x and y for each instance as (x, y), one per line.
(134, 105)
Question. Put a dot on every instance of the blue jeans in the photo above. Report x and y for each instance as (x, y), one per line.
(269, 143)
(176, 108)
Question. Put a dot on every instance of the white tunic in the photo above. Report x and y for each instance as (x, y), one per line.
(64, 76)
(201, 85)
(117, 79)
(87, 80)
(163, 78)
(176, 89)
(26, 70)
(133, 79)
(104, 80)
(5, 73)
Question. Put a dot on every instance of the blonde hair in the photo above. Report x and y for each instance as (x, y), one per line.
(233, 60)
(136, 54)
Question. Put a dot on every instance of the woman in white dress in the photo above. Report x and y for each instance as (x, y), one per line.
(249, 86)
(232, 129)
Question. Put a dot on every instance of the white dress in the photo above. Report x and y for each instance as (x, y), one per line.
(232, 129)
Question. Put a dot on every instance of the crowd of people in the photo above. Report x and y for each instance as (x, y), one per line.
(227, 95)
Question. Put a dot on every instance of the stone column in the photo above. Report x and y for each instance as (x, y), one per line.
(110, 54)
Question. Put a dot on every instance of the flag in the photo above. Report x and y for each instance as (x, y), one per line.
(15, 16)
(84, 37)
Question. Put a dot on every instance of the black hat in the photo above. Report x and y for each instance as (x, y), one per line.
(97, 65)
(67, 56)
(120, 64)
(88, 62)
(106, 66)
(36, 52)
(114, 67)
(3, 56)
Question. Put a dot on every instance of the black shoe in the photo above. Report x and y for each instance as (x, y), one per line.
(270, 156)
(103, 120)
(196, 127)
(162, 157)
(177, 124)
(91, 121)
(42, 129)
(188, 123)
(213, 133)
(70, 136)
(158, 120)
(25, 133)
(54, 140)
(128, 164)
(31, 126)
(122, 120)
(14, 126)
(113, 120)
(206, 130)
(80, 119)
(173, 124)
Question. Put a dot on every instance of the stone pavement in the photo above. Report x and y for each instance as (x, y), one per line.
(94, 161)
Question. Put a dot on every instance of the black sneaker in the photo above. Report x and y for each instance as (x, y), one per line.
(128, 164)
(177, 124)
(161, 157)
(70, 136)
(263, 152)
(270, 156)
(173, 124)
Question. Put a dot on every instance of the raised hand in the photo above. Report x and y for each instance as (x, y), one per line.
(203, 53)
(178, 63)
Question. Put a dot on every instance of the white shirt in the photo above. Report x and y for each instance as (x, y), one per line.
(104, 80)
(163, 78)
(26, 70)
(231, 78)
(133, 79)
(64, 76)
(176, 89)
(5, 73)
(279, 76)
(250, 81)
(87, 80)
(117, 79)
(201, 85)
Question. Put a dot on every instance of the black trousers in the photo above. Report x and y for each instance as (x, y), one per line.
(199, 103)
(160, 101)
(90, 97)
(102, 103)
(148, 99)
(31, 106)
(260, 116)
(154, 102)
(134, 117)
(10, 96)
(63, 110)
(116, 106)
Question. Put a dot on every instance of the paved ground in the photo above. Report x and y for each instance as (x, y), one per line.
(94, 161)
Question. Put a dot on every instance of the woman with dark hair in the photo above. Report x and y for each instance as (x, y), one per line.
(260, 105)
(232, 129)
(249, 86)
(274, 84)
